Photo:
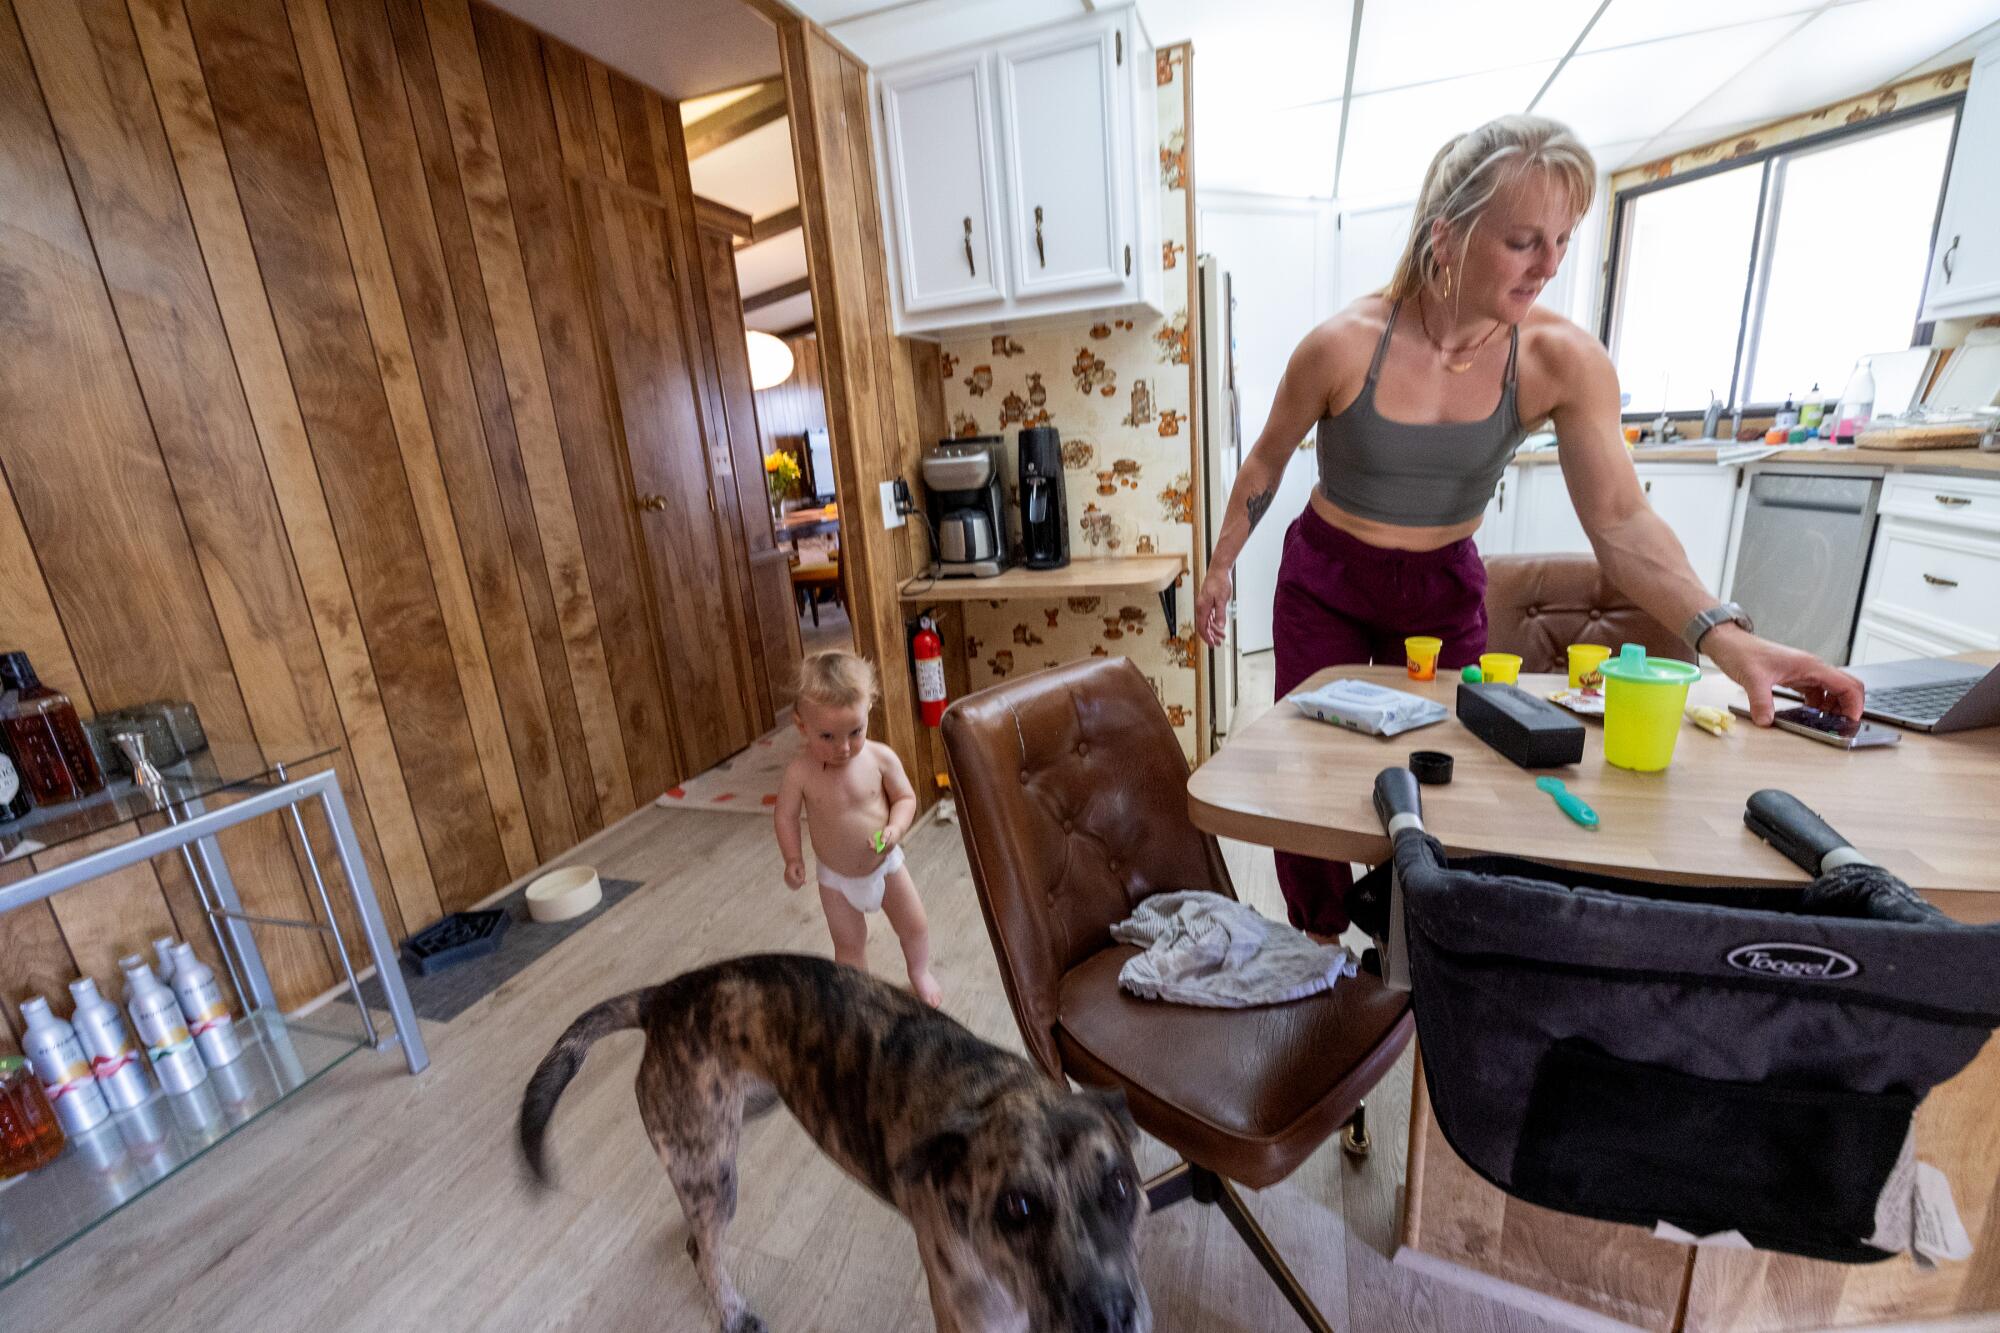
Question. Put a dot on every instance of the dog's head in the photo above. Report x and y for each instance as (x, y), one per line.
(1028, 1214)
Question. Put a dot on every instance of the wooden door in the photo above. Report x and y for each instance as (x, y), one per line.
(702, 639)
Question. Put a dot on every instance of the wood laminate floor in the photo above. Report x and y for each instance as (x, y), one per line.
(378, 1201)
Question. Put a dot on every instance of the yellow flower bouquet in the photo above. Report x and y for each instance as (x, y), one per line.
(781, 474)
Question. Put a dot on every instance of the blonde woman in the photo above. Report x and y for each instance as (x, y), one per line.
(1419, 395)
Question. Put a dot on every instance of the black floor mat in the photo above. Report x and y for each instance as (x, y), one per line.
(445, 995)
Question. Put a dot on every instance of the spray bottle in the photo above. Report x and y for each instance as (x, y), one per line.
(156, 1016)
(206, 1011)
(120, 1070)
(51, 1046)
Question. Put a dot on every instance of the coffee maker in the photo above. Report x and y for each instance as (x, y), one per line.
(1044, 505)
(963, 489)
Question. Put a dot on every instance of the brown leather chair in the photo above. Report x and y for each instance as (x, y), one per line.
(1537, 605)
(1072, 793)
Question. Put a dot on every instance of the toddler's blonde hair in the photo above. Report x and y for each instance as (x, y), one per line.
(836, 679)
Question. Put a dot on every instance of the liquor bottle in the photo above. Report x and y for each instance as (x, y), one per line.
(207, 1013)
(51, 1046)
(46, 735)
(14, 798)
(30, 1136)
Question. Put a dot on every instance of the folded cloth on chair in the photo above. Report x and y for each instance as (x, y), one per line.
(1204, 949)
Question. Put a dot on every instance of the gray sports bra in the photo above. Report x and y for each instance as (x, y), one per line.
(1417, 475)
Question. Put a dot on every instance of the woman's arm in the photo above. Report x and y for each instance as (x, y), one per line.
(1300, 401)
(1641, 555)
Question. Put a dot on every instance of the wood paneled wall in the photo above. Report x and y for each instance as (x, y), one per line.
(798, 405)
(309, 417)
(882, 393)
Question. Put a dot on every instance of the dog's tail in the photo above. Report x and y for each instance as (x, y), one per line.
(559, 1066)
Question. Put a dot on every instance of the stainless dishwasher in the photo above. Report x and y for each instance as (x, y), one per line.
(1803, 555)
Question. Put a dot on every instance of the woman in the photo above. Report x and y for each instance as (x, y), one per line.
(1401, 388)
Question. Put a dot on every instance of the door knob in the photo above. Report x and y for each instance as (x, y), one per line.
(654, 503)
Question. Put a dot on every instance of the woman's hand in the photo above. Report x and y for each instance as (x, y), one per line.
(1758, 664)
(1211, 605)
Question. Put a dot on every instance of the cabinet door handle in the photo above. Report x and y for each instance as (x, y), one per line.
(970, 267)
(1042, 253)
(1648, 484)
(1937, 582)
(1953, 500)
(1501, 495)
(653, 503)
(1952, 249)
(1128, 261)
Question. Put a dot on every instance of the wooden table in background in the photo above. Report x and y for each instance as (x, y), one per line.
(1924, 809)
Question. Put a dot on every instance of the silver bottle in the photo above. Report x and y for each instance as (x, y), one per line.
(120, 1069)
(164, 947)
(156, 1017)
(52, 1048)
(207, 1013)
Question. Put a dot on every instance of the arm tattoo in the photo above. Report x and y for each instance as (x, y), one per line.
(1258, 504)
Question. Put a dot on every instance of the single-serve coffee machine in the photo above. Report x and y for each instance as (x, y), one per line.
(1044, 504)
(963, 487)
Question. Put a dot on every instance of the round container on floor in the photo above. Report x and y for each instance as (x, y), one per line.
(564, 893)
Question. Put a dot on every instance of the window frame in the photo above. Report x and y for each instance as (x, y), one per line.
(1763, 239)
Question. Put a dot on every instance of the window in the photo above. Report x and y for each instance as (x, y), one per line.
(1764, 278)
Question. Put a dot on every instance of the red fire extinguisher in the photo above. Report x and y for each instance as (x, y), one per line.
(928, 650)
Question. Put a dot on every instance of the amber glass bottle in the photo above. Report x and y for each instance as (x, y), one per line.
(29, 1134)
(45, 735)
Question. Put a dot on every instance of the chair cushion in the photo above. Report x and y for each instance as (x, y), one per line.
(1248, 1093)
(1537, 605)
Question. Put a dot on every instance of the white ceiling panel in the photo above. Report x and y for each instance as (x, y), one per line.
(1391, 137)
(786, 314)
(1842, 52)
(1420, 41)
(648, 39)
(1628, 21)
(752, 174)
(1629, 92)
(1954, 53)
(1267, 152)
(771, 263)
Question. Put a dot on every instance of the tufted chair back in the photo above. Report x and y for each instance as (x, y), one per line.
(1537, 605)
(1072, 795)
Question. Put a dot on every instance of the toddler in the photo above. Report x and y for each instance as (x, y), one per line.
(859, 804)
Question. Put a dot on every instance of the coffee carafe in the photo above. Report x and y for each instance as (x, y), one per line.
(1044, 504)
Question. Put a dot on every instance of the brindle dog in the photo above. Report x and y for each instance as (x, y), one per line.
(1023, 1194)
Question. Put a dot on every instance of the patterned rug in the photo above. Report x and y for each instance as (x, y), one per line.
(745, 783)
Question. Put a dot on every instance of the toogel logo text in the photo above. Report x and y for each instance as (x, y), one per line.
(1793, 962)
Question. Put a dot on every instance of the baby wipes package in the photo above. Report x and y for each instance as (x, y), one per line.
(1371, 709)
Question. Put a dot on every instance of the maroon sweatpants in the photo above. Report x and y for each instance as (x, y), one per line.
(1342, 601)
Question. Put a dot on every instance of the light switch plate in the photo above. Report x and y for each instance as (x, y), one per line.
(890, 518)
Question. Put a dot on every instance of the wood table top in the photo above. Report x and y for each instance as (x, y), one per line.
(1925, 808)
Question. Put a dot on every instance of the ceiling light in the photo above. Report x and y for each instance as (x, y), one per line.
(770, 359)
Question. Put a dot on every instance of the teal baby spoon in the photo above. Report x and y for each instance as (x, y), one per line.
(1568, 801)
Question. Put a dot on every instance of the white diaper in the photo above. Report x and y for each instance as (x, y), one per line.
(864, 892)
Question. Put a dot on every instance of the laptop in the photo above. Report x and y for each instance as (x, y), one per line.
(1930, 694)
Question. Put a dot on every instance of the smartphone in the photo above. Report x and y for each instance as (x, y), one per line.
(1845, 732)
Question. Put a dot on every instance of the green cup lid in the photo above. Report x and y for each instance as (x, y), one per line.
(10, 1063)
(1633, 666)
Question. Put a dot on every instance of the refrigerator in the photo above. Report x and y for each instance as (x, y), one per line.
(1220, 428)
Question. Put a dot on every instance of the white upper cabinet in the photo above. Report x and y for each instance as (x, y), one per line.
(1965, 263)
(1021, 179)
(1058, 101)
(942, 160)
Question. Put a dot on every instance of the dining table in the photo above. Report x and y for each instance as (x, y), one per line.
(1925, 808)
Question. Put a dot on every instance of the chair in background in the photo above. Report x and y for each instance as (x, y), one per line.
(815, 569)
(1072, 792)
(1537, 605)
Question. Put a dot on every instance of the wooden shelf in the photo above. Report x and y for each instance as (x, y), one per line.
(1119, 573)
(1136, 573)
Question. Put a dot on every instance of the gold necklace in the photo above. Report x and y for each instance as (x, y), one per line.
(1423, 319)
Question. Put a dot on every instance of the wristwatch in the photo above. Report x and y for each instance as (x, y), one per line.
(1709, 619)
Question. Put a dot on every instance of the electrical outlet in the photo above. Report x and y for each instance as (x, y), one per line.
(892, 516)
